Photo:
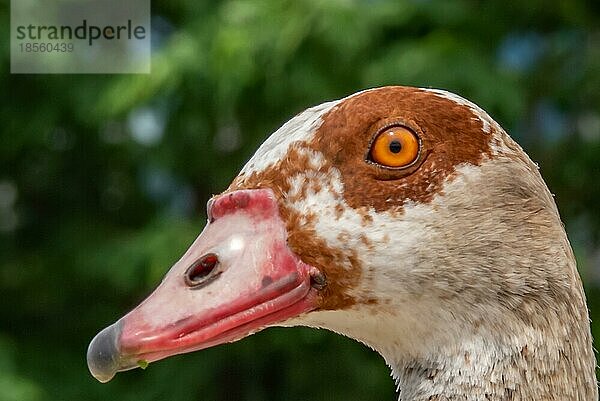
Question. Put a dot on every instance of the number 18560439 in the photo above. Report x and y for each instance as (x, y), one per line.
(34, 47)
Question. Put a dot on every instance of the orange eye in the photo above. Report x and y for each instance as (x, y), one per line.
(395, 147)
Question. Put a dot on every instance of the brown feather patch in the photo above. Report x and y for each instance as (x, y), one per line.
(451, 134)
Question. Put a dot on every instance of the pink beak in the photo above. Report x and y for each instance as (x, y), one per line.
(238, 277)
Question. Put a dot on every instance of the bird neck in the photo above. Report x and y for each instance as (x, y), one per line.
(536, 352)
(553, 362)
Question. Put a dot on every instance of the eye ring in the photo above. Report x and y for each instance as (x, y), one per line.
(394, 147)
(202, 271)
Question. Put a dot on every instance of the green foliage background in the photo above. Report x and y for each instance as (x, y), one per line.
(93, 209)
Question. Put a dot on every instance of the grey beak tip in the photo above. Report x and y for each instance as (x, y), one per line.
(103, 356)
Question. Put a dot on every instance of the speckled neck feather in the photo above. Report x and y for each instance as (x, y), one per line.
(457, 270)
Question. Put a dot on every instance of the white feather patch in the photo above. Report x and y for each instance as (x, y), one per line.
(300, 128)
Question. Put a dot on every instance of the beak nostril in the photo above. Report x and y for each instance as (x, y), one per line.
(202, 271)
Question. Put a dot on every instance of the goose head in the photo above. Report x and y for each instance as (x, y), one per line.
(404, 218)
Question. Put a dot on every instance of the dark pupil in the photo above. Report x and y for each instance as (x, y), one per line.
(395, 146)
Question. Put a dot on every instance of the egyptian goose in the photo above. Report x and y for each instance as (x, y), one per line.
(404, 218)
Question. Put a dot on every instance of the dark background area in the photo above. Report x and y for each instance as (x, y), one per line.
(104, 178)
